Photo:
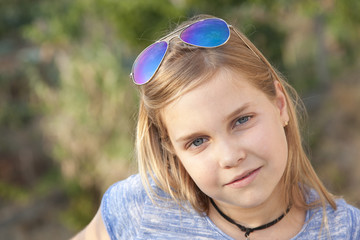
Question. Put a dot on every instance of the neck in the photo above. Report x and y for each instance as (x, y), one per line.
(248, 230)
(252, 217)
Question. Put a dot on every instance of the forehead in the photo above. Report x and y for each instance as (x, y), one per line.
(213, 99)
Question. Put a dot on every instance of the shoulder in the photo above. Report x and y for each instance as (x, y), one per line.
(122, 206)
(341, 223)
(129, 213)
(125, 190)
(345, 219)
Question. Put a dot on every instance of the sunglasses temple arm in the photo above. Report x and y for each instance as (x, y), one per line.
(238, 34)
(261, 59)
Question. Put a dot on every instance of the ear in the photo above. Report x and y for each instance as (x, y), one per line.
(281, 103)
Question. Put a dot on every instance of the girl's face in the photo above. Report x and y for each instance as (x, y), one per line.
(230, 138)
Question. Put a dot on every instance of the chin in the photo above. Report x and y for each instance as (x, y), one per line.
(253, 200)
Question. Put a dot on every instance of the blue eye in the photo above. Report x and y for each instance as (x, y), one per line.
(242, 120)
(197, 142)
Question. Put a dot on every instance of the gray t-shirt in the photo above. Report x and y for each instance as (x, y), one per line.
(128, 213)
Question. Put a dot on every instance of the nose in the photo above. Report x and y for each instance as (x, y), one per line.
(229, 152)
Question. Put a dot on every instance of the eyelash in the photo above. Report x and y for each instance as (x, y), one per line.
(246, 118)
(192, 142)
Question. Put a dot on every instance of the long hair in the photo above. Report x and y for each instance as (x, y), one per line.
(184, 68)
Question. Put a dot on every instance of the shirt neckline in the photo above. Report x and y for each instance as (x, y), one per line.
(213, 226)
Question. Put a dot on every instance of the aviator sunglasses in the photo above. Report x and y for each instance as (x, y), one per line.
(205, 33)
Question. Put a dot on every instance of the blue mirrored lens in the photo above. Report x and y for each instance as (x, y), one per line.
(211, 32)
(148, 62)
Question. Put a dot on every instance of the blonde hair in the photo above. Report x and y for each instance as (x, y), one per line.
(186, 67)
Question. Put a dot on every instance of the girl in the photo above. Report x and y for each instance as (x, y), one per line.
(219, 149)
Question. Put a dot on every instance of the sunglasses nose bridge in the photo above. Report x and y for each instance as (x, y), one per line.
(173, 34)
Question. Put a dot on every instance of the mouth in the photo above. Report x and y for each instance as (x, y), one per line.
(244, 179)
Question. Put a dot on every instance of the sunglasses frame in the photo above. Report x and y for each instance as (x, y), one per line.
(173, 35)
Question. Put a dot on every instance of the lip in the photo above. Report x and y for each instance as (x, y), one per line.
(244, 179)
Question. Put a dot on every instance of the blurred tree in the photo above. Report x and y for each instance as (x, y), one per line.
(23, 155)
(14, 14)
(139, 22)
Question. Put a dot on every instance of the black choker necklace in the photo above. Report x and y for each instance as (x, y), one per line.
(245, 229)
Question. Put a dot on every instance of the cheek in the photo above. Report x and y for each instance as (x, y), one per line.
(271, 144)
(201, 169)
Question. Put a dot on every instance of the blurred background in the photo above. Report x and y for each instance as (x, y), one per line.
(68, 106)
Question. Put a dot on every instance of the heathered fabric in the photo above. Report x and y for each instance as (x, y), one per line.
(128, 213)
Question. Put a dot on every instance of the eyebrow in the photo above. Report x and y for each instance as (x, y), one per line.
(230, 116)
(238, 111)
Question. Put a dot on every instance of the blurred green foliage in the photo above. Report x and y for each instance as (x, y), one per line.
(68, 107)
